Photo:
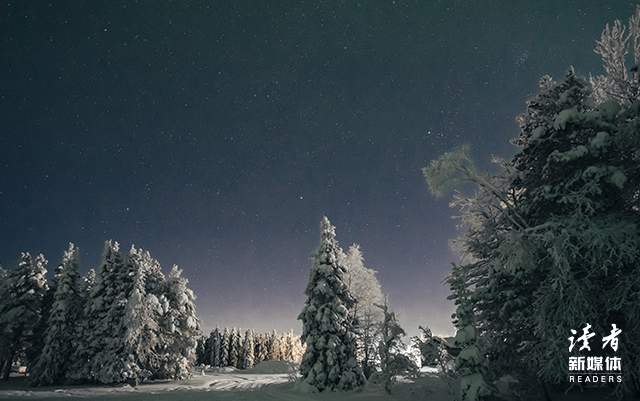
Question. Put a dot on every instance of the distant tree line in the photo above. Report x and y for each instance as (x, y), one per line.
(127, 322)
(230, 348)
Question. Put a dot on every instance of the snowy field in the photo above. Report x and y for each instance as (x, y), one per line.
(265, 382)
(268, 381)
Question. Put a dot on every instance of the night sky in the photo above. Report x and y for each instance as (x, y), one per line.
(216, 134)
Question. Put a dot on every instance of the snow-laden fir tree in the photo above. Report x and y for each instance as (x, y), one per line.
(367, 292)
(143, 312)
(234, 351)
(298, 350)
(215, 340)
(4, 295)
(261, 352)
(558, 224)
(203, 351)
(329, 362)
(287, 346)
(37, 336)
(224, 348)
(392, 362)
(247, 350)
(20, 307)
(274, 346)
(469, 364)
(181, 327)
(100, 354)
(60, 336)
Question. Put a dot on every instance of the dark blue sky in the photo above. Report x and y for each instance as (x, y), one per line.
(217, 134)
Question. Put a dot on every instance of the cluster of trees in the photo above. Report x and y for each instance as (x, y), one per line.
(558, 225)
(230, 348)
(345, 335)
(127, 322)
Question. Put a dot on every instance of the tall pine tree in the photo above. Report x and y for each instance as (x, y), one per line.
(59, 341)
(100, 353)
(21, 308)
(329, 362)
(558, 224)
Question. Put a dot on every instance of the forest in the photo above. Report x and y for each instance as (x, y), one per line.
(550, 256)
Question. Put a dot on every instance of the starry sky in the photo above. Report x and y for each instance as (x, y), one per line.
(216, 134)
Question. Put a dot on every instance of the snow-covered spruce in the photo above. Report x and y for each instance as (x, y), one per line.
(59, 338)
(21, 302)
(367, 292)
(329, 362)
(99, 355)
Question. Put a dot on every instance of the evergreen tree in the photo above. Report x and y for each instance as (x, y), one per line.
(181, 327)
(469, 362)
(298, 350)
(238, 345)
(216, 340)
(273, 347)
(234, 351)
(59, 340)
(329, 361)
(261, 352)
(100, 353)
(558, 224)
(142, 315)
(390, 358)
(367, 292)
(287, 346)
(247, 350)
(224, 348)
(20, 309)
(203, 351)
(4, 297)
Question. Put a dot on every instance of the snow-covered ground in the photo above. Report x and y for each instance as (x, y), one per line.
(269, 381)
(266, 382)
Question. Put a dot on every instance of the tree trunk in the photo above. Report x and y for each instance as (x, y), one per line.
(546, 390)
(7, 366)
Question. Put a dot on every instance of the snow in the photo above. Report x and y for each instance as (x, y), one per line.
(564, 117)
(267, 381)
(237, 385)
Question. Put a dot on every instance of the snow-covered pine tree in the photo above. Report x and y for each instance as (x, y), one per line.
(59, 341)
(224, 348)
(287, 346)
(274, 346)
(142, 315)
(470, 364)
(234, 351)
(4, 297)
(181, 327)
(247, 350)
(99, 355)
(329, 362)
(558, 224)
(20, 310)
(391, 361)
(215, 339)
(261, 352)
(239, 347)
(36, 342)
(203, 351)
(367, 292)
(298, 350)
